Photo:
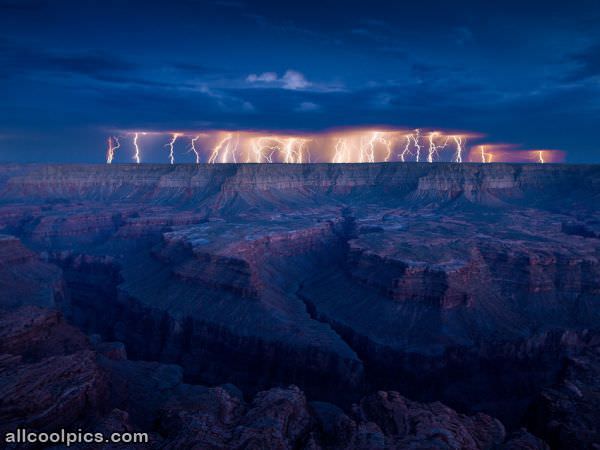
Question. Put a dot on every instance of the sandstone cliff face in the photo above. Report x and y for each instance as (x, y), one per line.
(25, 279)
(232, 256)
(189, 183)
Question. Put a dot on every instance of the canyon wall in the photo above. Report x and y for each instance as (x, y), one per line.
(183, 183)
(470, 284)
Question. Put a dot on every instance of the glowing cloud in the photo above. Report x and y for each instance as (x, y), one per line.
(497, 153)
(349, 145)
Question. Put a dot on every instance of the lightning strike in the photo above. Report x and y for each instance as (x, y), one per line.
(345, 146)
(194, 150)
(113, 145)
(342, 154)
(265, 147)
(367, 148)
(235, 148)
(171, 146)
(230, 149)
(388, 147)
(136, 155)
(485, 157)
(460, 145)
(413, 138)
(434, 148)
(406, 152)
(217, 149)
(294, 150)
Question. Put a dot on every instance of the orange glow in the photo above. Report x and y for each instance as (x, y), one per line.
(344, 145)
(509, 153)
(485, 157)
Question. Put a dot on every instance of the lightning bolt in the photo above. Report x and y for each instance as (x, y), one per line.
(416, 138)
(302, 153)
(406, 152)
(485, 157)
(388, 146)
(294, 149)
(265, 147)
(235, 148)
(413, 138)
(171, 146)
(136, 155)
(288, 149)
(217, 149)
(193, 148)
(113, 145)
(230, 149)
(367, 148)
(434, 148)
(255, 150)
(362, 145)
(460, 144)
(341, 154)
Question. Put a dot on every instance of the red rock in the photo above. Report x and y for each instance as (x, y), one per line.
(34, 332)
(50, 394)
(25, 279)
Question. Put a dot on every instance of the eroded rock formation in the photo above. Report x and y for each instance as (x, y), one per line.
(466, 284)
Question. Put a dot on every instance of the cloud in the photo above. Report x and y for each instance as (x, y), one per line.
(291, 79)
(266, 77)
(247, 106)
(17, 60)
(587, 62)
(294, 80)
(308, 107)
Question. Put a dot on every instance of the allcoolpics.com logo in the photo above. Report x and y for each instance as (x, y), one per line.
(68, 438)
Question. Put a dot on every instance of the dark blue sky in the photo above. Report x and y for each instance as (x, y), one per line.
(71, 72)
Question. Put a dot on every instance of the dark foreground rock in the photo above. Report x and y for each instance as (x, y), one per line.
(49, 376)
(98, 390)
(567, 414)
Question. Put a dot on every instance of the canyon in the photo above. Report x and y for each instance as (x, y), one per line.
(387, 305)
